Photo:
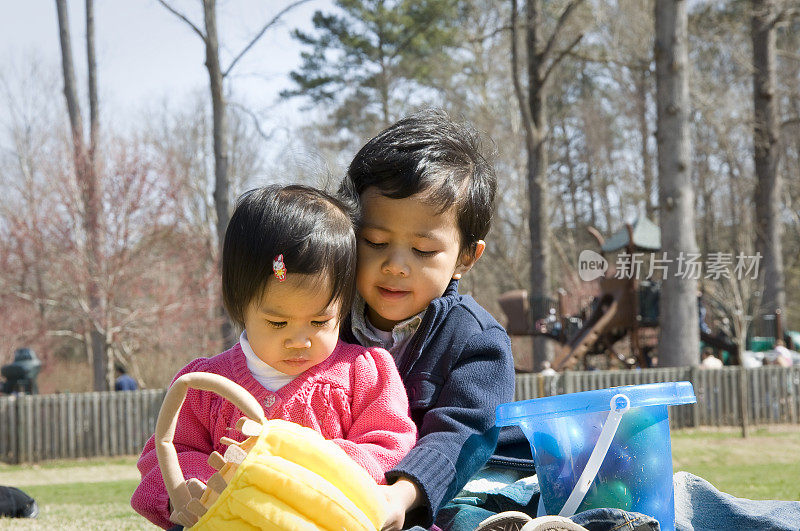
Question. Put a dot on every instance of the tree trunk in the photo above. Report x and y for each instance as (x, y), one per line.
(539, 212)
(216, 78)
(591, 190)
(765, 140)
(384, 79)
(103, 364)
(573, 186)
(70, 91)
(87, 181)
(706, 194)
(605, 199)
(221, 184)
(736, 212)
(92, 67)
(679, 342)
(644, 133)
(534, 118)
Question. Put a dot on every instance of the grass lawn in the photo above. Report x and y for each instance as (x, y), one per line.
(94, 494)
(765, 466)
(89, 494)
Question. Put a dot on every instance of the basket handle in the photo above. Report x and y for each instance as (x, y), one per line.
(168, 419)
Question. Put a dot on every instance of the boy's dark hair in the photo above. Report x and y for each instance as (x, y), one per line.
(310, 228)
(428, 152)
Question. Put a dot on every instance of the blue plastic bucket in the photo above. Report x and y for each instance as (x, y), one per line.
(604, 448)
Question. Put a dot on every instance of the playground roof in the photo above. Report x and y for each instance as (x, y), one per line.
(646, 237)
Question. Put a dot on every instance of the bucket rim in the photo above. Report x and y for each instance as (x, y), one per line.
(642, 395)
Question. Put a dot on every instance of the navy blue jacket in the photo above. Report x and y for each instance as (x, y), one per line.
(458, 369)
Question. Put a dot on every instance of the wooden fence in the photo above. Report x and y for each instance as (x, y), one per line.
(771, 394)
(42, 427)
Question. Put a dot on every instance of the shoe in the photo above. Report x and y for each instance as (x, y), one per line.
(31, 511)
(16, 504)
(505, 521)
(552, 523)
(517, 521)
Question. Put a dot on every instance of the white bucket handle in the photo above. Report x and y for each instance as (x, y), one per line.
(620, 403)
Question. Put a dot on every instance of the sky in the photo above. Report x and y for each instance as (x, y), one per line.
(147, 56)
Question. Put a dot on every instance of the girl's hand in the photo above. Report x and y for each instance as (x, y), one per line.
(401, 496)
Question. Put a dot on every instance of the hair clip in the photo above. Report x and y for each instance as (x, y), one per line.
(279, 267)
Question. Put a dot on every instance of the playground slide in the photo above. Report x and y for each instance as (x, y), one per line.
(589, 333)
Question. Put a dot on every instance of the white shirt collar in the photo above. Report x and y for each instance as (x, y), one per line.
(271, 379)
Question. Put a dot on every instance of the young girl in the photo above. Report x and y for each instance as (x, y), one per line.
(288, 268)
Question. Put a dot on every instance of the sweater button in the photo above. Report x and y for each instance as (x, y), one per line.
(269, 401)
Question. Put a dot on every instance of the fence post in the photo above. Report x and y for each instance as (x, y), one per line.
(23, 441)
(14, 427)
(693, 373)
(743, 407)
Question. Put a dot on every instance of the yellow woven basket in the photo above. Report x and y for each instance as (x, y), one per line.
(282, 477)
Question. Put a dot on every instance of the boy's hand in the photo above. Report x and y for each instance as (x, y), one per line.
(401, 496)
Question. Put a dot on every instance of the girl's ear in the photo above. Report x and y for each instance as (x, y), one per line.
(468, 258)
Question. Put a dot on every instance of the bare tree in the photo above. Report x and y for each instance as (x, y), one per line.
(542, 58)
(86, 174)
(788, 70)
(734, 299)
(679, 342)
(216, 77)
(766, 137)
(642, 85)
(156, 267)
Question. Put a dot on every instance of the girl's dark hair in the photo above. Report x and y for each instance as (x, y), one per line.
(429, 153)
(310, 228)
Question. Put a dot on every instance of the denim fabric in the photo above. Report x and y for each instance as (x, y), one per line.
(464, 513)
(463, 516)
(472, 506)
(700, 506)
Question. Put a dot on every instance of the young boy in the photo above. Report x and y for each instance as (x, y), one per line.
(426, 196)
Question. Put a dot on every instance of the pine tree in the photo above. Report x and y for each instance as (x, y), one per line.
(369, 62)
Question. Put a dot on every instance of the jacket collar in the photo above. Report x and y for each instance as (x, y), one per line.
(433, 315)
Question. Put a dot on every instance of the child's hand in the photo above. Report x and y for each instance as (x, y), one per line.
(400, 496)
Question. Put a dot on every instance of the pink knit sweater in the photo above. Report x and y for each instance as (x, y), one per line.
(355, 398)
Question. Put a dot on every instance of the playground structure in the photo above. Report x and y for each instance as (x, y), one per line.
(625, 307)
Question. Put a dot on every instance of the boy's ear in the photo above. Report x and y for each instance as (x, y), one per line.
(468, 258)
